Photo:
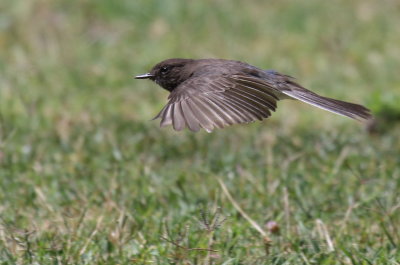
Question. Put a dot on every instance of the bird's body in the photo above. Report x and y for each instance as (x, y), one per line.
(210, 93)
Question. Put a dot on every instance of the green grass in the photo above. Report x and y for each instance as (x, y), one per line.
(87, 178)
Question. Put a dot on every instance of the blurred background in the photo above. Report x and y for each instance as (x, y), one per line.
(79, 152)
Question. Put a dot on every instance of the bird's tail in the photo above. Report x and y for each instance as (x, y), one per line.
(354, 111)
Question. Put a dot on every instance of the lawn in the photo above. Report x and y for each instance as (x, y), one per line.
(86, 177)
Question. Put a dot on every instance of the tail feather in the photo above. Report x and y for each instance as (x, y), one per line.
(354, 111)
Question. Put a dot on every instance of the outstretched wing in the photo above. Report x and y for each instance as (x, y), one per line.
(217, 101)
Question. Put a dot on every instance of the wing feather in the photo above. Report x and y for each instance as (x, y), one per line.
(191, 120)
(236, 115)
(209, 112)
(178, 121)
(262, 86)
(238, 99)
(166, 118)
(204, 122)
(256, 104)
(222, 113)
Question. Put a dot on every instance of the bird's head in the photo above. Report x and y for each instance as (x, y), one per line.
(169, 73)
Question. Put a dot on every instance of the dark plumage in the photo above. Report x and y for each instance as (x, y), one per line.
(210, 93)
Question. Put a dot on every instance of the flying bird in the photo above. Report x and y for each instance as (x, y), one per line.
(215, 93)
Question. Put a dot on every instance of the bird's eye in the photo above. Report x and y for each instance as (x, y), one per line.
(164, 69)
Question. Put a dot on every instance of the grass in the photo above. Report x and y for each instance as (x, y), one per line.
(87, 178)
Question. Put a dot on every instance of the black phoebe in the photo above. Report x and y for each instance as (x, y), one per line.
(209, 93)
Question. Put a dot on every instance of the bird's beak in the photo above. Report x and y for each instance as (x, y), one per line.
(144, 76)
